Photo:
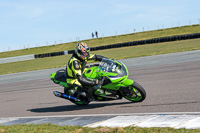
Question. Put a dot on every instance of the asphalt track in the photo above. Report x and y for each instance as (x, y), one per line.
(172, 83)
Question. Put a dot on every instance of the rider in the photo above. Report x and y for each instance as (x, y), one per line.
(76, 66)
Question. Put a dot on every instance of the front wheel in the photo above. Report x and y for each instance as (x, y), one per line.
(136, 93)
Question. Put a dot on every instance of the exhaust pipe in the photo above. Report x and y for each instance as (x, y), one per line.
(65, 96)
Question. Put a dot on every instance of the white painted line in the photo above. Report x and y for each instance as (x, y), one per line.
(192, 124)
(177, 120)
(166, 121)
(37, 121)
(5, 120)
(68, 121)
(123, 114)
(122, 121)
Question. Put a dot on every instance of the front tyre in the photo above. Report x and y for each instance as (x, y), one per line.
(136, 93)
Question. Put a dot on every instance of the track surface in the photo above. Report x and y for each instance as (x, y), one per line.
(171, 82)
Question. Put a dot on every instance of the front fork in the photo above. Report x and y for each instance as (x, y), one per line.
(125, 88)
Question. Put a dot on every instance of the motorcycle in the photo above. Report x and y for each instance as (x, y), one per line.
(114, 84)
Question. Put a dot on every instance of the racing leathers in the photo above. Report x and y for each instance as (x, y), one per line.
(75, 69)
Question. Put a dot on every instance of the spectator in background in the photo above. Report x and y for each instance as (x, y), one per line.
(96, 33)
(92, 35)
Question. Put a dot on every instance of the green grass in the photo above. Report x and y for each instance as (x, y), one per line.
(48, 128)
(106, 41)
(116, 53)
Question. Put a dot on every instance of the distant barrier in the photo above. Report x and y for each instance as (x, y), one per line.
(118, 45)
(126, 44)
(51, 54)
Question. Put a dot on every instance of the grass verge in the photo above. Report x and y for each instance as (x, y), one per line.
(116, 53)
(106, 40)
(48, 128)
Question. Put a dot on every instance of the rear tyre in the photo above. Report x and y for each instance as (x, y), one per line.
(136, 93)
(83, 102)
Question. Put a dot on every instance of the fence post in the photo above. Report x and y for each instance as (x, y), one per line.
(134, 30)
(115, 33)
(199, 22)
(190, 22)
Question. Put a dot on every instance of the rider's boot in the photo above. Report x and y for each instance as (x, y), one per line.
(83, 94)
(90, 93)
(71, 93)
(80, 92)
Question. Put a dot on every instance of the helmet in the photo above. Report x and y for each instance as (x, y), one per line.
(82, 50)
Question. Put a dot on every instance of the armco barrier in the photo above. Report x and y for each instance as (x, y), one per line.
(126, 44)
(149, 41)
(70, 51)
(50, 54)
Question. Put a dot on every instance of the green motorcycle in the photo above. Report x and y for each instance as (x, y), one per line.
(115, 84)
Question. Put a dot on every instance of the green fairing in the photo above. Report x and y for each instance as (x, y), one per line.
(112, 86)
(99, 98)
(116, 79)
(115, 75)
(127, 82)
(98, 91)
(64, 84)
(91, 73)
(52, 76)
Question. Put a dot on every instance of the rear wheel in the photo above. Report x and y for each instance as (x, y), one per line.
(136, 93)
